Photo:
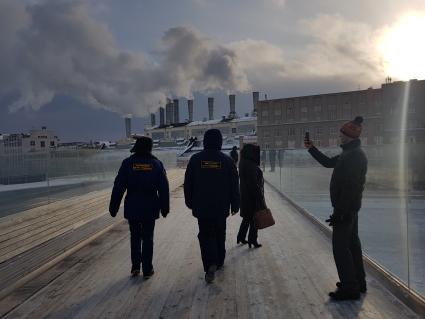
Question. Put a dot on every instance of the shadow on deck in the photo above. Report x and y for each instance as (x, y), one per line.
(289, 277)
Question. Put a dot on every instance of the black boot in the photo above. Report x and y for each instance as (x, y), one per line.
(362, 286)
(147, 275)
(255, 244)
(241, 241)
(135, 272)
(210, 274)
(345, 294)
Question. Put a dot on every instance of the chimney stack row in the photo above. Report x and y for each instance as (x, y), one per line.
(190, 109)
(210, 108)
(176, 111)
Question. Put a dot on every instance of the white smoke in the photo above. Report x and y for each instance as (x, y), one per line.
(55, 47)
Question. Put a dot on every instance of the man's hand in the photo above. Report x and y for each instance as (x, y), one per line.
(308, 143)
(335, 219)
(113, 214)
(164, 213)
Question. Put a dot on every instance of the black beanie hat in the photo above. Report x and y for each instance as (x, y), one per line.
(213, 140)
(143, 145)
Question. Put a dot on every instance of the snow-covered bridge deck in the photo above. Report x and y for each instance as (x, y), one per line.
(289, 277)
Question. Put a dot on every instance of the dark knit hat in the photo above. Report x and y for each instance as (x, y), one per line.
(353, 128)
(143, 145)
(213, 140)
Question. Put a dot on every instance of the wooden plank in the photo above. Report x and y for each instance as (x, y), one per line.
(289, 277)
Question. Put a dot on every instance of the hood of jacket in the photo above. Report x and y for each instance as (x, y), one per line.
(213, 140)
(251, 153)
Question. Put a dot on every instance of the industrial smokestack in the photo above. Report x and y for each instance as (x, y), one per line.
(161, 116)
(176, 111)
(232, 113)
(210, 108)
(128, 126)
(153, 119)
(190, 109)
(169, 112)
(255, 98)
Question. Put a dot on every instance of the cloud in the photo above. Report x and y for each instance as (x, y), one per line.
(340, 48)
(279, 3)
(55, 47)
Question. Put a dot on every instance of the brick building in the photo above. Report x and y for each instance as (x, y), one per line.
(282, 123)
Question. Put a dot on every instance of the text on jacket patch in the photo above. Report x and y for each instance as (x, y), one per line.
(210, 165)
(142, 167)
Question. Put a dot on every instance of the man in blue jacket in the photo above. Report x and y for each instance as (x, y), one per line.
(144, 178)
(211, 190)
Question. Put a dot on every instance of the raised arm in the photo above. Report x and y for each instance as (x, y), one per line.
(329, 162)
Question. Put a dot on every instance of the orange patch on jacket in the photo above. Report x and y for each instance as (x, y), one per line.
(142, 167)
(210, 165)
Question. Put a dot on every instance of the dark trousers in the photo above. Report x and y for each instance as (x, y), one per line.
(243, 229)
(142, 232)
(212, 240)
(347, 251)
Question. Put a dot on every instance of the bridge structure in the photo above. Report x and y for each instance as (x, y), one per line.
(70, 259)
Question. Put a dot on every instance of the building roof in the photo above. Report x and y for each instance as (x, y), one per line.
(206, 123)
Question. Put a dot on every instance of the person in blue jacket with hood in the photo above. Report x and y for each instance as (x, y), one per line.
(144, 178)
(211, 191)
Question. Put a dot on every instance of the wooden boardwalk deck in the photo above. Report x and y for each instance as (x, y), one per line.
(289, 277)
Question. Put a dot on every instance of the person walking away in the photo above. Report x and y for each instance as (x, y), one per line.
(234, 154)
(346, 188)
(211, 189)
(252, 193)
(144, 178)
(272, 155)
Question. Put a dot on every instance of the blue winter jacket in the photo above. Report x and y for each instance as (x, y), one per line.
(144, 178)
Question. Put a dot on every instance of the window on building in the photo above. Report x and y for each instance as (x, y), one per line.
(32, 143)
(264, 113)
(52, 143)
(290, 112)
(291, 131)
(319, 131)
(333, 130)
(233, 130)
(318, 112)
(42, 144)
(278, 112)
(347, 111)
(332, 112)
(304, 113)
(379, 140)
(277, 132)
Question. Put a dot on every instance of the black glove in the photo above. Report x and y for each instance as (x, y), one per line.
(164, 213)
(335, 219)
(113, 214)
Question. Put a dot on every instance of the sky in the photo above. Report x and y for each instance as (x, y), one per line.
(79, 67)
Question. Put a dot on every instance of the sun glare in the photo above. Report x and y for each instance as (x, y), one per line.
(403, 48)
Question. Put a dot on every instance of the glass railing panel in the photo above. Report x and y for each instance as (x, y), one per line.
(392, 217)
(416, 217)
(23, 182)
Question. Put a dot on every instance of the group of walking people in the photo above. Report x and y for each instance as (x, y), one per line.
(214, 188)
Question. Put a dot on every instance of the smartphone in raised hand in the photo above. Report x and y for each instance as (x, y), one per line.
(307, 142)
